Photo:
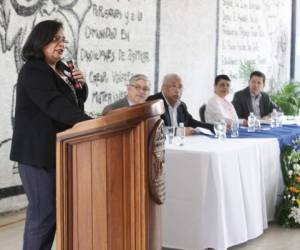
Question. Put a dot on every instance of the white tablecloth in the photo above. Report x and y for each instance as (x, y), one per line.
(219, 193)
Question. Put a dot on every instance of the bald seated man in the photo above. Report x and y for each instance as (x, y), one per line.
(137, 92)
(176, 110)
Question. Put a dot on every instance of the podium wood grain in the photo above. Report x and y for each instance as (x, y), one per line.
(103, 196)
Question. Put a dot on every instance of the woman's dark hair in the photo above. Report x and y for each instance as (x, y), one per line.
(221, 77)
(41, 35)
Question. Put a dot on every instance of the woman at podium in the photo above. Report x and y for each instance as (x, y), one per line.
(50, 97)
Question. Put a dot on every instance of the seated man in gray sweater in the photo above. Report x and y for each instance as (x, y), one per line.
(137, 92)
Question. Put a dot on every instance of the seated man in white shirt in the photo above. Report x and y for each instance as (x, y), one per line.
(218, 108)
(137, 92)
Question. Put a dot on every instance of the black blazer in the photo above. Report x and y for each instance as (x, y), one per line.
(45, 106)
(182, 114)
(116, 105)
(243, 105)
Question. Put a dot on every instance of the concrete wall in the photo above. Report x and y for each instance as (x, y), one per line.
(113, 39)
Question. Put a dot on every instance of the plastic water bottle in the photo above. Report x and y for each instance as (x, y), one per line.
(181, 133)
(251, 122)
(273, 118)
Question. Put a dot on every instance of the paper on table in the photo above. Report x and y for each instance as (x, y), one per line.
(204, 131)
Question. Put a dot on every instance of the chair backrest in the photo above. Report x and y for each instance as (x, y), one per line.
(202, 112)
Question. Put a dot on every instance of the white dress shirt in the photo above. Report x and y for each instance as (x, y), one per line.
(219, 108)
(172, 112)
(130, 102)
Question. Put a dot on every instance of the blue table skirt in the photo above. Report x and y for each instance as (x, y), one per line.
(285, 135)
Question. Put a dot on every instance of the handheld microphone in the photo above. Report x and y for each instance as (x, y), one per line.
(77, 84)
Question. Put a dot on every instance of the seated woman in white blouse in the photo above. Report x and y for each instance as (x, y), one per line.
(218, 108)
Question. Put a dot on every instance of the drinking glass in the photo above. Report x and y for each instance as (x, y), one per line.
(235, 129)
(279, 119)
(170, 132)
(216, 129)
(180, 132)
(222, 129)
(273, 118)
(257, 124)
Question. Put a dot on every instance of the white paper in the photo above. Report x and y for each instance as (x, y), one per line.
(204, 131)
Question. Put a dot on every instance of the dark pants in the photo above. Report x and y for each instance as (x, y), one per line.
(39, 186)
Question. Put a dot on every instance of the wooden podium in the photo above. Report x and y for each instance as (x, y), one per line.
(110, 181)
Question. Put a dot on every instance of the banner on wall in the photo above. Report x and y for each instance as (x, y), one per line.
(254, 35)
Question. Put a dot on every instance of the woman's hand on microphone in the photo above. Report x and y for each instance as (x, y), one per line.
(78, 75)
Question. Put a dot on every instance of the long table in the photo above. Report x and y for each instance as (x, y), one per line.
(219, 193)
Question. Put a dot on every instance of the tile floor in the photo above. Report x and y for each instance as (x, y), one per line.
(275, 238)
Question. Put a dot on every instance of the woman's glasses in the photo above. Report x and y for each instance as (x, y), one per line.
(59, 39)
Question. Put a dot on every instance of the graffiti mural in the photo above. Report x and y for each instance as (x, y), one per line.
(110, 40)
(17, 17)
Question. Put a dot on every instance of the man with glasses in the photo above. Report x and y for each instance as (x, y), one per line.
(175, 110)
(137, 92)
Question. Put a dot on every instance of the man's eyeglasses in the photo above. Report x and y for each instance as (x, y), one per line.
(174, 86)
(139, 88)
(59, 39)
